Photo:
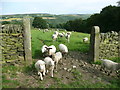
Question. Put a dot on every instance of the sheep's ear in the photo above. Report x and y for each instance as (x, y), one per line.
(45, 47)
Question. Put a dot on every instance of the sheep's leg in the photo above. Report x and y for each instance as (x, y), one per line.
(56, 65)
(41, 76)
(44, 72)
(52, 73)
(38, 73)
(52, 68)
(60, 61)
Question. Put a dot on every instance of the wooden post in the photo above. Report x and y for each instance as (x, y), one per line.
(27, 40)
(94, 44)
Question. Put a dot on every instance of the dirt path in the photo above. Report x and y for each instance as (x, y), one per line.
(73, 63)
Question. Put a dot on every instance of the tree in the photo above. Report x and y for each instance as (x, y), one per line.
(118, 3)
(38, 22)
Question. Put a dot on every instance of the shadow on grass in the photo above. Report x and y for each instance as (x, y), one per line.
(37, 54)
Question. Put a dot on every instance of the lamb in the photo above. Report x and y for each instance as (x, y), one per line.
(110, 65)
(54, 37)
(40, 66)
(63, 48)
(56, 32)
(57, 57)
(51, 50)
(67, 36)
(85, 39)
(61, 35)
(49, 65)
(44, 50)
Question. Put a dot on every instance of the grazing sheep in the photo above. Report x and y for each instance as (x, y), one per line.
(60, 35)
(56, 32)
(85, 39)
(40, 66)
(57, 57)
(110, 65)
(49, 65)
(67, 36)
(54, 37)
(63, 48)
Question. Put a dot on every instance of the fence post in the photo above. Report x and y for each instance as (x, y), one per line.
(27, 40)
(94, 44)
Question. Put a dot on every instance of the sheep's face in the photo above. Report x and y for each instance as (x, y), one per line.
(48, 51)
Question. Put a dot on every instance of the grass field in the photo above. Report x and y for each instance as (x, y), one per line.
(76, 43)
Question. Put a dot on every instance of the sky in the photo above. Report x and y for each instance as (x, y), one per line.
(54, 6)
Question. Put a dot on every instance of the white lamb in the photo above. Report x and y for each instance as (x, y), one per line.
(110, 65)
(44, 50)
(40, 66)
(56, 32)
(85, 39)
(61, 35)
(51, 50)
(57, 57)
(63, 48)
(54, 37)
(67, 36)
(49, 65)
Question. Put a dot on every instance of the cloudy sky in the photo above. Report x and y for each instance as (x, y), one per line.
(54, 6)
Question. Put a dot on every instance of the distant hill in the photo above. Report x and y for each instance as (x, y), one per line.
(50, 18)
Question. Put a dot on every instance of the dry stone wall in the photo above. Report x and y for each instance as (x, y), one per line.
(104, 45)
(109, 45)
(12, 42)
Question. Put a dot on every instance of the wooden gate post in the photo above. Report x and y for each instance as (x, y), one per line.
(27, 40)
(94, 44)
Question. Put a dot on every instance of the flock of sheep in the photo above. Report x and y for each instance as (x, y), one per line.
(63, 34)
(52, 57)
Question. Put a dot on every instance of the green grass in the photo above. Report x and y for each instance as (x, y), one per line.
(76, 43)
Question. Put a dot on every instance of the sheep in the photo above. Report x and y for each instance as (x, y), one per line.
(44, 50)
(63, 48)
(56, 32)
(45, 30)
(51, 50)
(61, 35)
(67, 36)
(49, 65)
(54, 37)
(57, 57)
(85, 39)
(40, 66)
(110, 65)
